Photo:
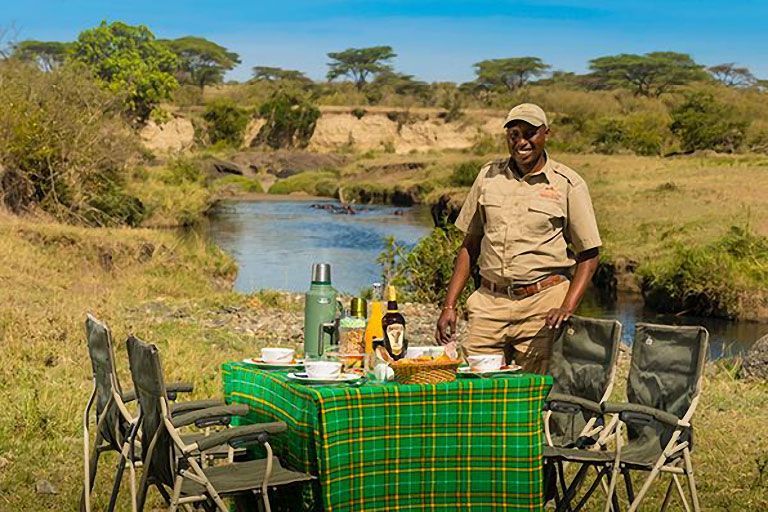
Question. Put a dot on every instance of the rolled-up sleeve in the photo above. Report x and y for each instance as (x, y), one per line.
(470, 219)
(582, 230)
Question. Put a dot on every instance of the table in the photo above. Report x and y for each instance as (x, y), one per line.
(470, 444)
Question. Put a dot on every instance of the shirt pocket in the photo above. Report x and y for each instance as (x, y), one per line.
(493, 211)
(544, 217)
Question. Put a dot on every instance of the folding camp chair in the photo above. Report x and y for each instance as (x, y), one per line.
(112, 418)
(583, 367)
(187, 480)
(663, 391)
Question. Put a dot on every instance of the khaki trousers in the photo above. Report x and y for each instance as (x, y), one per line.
(516, 327)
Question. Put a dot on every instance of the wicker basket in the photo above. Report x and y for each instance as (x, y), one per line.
(430, 372)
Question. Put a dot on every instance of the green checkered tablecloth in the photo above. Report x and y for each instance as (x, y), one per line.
(472, 444)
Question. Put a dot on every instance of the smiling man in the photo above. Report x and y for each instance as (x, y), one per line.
(529, 225)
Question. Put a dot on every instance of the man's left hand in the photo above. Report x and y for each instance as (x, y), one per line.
(557, 316)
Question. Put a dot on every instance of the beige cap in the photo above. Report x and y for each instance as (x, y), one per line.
(529, 113)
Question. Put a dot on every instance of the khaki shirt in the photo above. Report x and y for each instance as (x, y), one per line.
(528, 222)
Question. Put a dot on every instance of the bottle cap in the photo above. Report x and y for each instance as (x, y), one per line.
(321, 273)
(358, 307)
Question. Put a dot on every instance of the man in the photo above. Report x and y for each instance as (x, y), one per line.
(529, 224)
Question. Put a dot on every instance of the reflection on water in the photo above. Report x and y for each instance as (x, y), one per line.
(725, 338)
(276, 242)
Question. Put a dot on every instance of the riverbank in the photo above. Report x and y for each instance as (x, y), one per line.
(175, 292)
(686, 232)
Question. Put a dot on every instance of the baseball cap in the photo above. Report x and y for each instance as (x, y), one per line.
(529, 113)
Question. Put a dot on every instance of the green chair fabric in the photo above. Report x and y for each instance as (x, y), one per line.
(582, 365)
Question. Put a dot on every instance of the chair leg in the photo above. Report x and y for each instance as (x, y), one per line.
(628, 485)
(681, 493)
(647, 485)
(691, 479)
(118, 480)
(573, 487)
(667, 495)
(176, 494)
(91, 467)
(609, 501)
(598, 479)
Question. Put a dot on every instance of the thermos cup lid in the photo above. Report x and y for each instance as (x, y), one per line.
(321, 273)
(358, 308)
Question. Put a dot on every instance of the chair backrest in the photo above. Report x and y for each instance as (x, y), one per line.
(99, 339)
(667, 366)
(157, 444)
(665, 373)
(583, 364)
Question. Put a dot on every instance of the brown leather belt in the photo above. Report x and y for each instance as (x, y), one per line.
(523, 290)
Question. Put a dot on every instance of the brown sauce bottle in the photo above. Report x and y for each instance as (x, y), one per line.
(393, 325)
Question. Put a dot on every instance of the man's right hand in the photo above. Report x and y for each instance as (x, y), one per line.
(446, 321)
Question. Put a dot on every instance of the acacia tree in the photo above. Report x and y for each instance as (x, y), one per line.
(360, 63)
(201, 62)
(270, 74)
(651, 74)
(730, 75)
(510, 73)
(46, 55)
(129, 60)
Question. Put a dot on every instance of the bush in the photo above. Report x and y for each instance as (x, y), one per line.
(643, 133)
(181, 170)
(422, 273)
(65, 146)
(464, 174)
(226, 122)
(704, 123)
(291, 121)
(720, 279)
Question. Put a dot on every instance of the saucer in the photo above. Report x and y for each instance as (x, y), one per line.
(258, 363)
(304, 378)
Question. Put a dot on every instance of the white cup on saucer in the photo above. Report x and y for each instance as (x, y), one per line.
(323, 369)
(485, 362)
(277, 355)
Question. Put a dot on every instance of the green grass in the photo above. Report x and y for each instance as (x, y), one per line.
(171, 291)
(314, 183)
(238, 184)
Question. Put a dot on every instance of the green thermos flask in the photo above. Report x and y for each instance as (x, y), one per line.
(321, 311)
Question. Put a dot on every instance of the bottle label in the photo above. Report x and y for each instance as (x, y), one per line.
(395, 333)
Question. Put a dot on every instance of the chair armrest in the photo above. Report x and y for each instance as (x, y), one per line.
(636, 413)
(128, 396)
(220, 415)
(194, 405)
(241, 436)
(560, 402)
(174, 388)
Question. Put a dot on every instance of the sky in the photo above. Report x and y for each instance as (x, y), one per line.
(433, 40)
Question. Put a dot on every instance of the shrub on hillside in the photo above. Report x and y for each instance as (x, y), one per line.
(314, 183)
(702, 122)
(464, 174)
(64, 146)
(290, 121)
(643, 133)
(226, 122)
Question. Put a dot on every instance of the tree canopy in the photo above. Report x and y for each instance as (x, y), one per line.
(201, 62)
(651, 74)
(270, 74)
(129, 60)
(510, 73)
(360, 63)
(47, 55)
(731, 75)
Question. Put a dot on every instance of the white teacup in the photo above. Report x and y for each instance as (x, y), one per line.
(485, 362)
(277, 355)
(323, 369)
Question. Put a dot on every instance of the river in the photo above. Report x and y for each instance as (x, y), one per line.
(275, 243)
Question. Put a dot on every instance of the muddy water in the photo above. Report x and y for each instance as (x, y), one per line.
(276, 242)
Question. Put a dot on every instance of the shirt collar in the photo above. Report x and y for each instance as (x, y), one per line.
(512, 170)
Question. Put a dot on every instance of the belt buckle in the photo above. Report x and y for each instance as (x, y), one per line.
(510, 289)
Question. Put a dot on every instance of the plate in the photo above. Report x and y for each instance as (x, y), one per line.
(274, 366)
(467, 371)
(304, 378)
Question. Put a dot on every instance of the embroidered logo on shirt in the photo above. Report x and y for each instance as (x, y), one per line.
(550, 192)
